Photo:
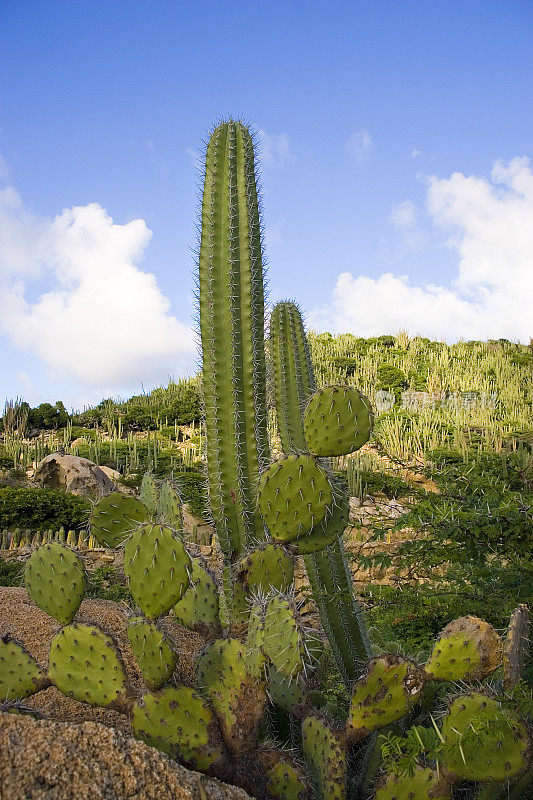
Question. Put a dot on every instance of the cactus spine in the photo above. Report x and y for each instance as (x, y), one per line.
(232, 335)
(327, 570)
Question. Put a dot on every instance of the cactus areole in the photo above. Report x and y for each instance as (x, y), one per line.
(232, 336)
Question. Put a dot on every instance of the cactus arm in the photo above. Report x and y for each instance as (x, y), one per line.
(327, 570)
(232, 336)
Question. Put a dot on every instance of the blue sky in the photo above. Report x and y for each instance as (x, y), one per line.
(396, 183)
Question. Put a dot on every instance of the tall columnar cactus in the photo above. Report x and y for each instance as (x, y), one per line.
(232, 334)
(328, 571)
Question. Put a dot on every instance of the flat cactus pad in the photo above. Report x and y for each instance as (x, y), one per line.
(55, 580)
(338, 420)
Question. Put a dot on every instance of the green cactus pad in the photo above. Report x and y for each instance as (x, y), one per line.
(152, 650)
(287, 693)
(255, 637)
(283, 642)
(55, 580)
(169, 510)
(237, 697)
(424, 784)
(294, 495)
(199, 608)
(115, 516)
(148, 494)
(387, 691)
(157, 567)
(516, 646)
(482, 740)
(325, 754)
(83, 664)
(20, 675)
(284, 779)
(262, 569)
(179, 722)
(467, 649)
(330, 529)
(337, 420)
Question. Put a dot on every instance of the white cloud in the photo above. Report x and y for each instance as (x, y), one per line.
(490, 231)
(415, 153)
(71, 292)
(404, 215)
(359, 145)
(275, 149)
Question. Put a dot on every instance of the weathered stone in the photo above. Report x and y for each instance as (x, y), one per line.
(74, 474)
(63, 761)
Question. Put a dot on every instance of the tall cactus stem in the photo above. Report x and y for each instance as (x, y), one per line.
(232, 336)
(328, 571)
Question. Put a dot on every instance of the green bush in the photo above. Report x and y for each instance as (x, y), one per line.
(192, 489)
(11, 573)
(103, 583)
(41, 509)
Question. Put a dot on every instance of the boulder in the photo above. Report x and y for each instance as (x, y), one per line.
(48, 760)
(74, 474)
(112, 474)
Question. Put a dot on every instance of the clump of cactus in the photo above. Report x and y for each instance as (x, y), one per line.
(258, 657)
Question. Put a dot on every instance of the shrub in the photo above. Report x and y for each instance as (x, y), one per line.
(41, 509)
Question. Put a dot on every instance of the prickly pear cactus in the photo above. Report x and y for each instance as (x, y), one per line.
(330, 529)
(84, 664)
(169, 510)
(387, 691)
(20, 675)
(286, 692)
(282, 778)
(467, 649)
(237, 697)
(148, 494)
(157, 568)
(294, 496)
(178, 721)
(482, 740)
(517, 646)
(424, 784)
(55, 580)
(264, 568)
(337, 420)
(284, 640)
(115, 516)
(153, 651)
(199, 608)
(325, 754)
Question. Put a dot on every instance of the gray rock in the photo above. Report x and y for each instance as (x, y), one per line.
(73, 474)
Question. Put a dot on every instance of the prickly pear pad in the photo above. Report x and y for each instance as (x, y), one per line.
(425, 784)
(255, 637)
(169, 510)
(482, 740)
(237, 697)
(389, 688)
(83, 664)
(266, 567)
(152, 650)
(338, 420)
(285, 780)
(19, 672)
(179, 722)
(115, 516)
(55, 580)
(467, 649)
(287, 693)
(330, 529)
(283, 642)
(294, 496)
(148, 493)
(157, 567)
(325, 754)
(199, 606)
